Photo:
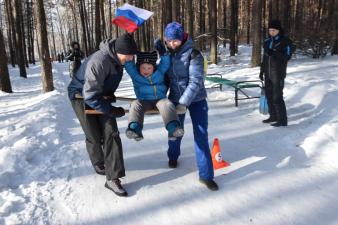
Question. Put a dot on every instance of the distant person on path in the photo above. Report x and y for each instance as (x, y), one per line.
(187, 91)
(151, 91)
(75, 55)
(62, 56)
(98, 78)
(277, 53)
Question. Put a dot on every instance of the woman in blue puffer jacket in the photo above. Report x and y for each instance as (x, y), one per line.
(187, 91)
(150, 90)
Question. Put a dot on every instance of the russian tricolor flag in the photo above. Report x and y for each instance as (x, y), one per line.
(129, 17)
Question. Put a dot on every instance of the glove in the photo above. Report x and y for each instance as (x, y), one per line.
(271, 52)
(117, 112)
(159, 46)
(261, 76)
(111, 98)
(181, 109)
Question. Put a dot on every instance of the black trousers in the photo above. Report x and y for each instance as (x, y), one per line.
(274, 86)
(103, 140)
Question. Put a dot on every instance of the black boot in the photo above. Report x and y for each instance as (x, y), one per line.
(172, 163)
(211, 184)
(270, 120)
(280, 124)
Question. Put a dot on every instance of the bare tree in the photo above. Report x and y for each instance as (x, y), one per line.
(19, 38)
(10, 31)
(46, 66)
(190, 18)
(234, 27)
(97, 24)
(256, 30)
(5, 82)
(213, 28)
(83, 24)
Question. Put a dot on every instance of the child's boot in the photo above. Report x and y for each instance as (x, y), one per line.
(134, 131)
(174, 130)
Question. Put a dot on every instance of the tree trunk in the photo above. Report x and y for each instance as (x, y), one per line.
(213, 23)
(233, 29)
(29, 31)
(202, 23)
(46, 66)
(5, 81)
(61, 32)
(10, 31)
(335, 25)
(97, 24)
(174, 10)
(190, 17)
(256, 32)
(286, 16)
(83, 24)
(89, 36)
(248, 22)
(110, 19)
(299, 20)
(103, 24)
(32, 34)
(19, 38)
(168, 12)
(54, 48)
(225, 23)
(25, 58)
(273, 10)
(264, 22)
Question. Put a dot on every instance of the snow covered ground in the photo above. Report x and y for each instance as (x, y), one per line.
(278, 176)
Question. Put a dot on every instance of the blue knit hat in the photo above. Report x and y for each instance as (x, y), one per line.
(174, 31)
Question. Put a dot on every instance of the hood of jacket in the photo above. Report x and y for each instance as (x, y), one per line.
(108, 47)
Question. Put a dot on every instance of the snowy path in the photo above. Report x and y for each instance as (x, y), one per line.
(278, 176)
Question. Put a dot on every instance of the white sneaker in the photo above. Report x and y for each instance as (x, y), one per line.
(116, 187)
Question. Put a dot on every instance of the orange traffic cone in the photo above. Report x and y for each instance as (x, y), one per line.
(217, 159)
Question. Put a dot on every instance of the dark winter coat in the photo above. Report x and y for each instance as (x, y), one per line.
(274, 65)
(99, 75)
(74, 54)
(152, 87)
(186, 75)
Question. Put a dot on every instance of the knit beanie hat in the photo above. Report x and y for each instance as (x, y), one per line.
(275, 24)
(126, 45)
(174, 31)
(75, 43)
(146, 57)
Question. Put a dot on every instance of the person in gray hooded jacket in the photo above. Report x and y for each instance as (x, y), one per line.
(94, 85)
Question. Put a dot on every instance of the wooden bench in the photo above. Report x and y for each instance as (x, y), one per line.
(237, 85)
(91, 111)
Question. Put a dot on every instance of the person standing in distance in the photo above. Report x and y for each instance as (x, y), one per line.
(277, 53)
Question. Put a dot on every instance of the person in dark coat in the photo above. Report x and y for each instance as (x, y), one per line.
(75, 55)
(93, 83)
(277, 53)
(62, 56)
(187, 91)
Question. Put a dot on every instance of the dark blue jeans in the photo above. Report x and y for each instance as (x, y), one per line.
(199, 117)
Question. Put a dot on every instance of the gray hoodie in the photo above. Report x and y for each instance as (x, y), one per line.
(99, 75)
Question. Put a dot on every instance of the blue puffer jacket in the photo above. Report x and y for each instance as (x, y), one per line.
(186, 75)
(99, 75)
(153, 86)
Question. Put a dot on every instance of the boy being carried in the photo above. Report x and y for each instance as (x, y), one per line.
(150, 90)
